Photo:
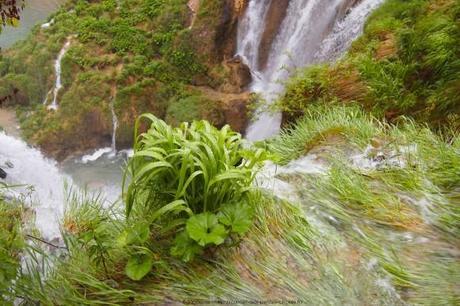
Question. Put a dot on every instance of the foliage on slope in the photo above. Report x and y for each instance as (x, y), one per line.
(392, 191)
(406, 63)
(11, 244)
(139, 55)
(349, 233)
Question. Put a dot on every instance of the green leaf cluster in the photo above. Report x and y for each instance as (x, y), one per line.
(191, 182)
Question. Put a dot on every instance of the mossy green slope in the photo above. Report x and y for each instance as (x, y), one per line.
(406, 63)
(140, 55)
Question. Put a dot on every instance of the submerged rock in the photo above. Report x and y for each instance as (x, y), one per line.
(9, 164)
(3, 174)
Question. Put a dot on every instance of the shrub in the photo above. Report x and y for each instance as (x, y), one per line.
(193, 182)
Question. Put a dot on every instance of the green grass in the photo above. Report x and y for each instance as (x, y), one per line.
(405, 64)
(403, 215)
(317, 126)
(11, 243)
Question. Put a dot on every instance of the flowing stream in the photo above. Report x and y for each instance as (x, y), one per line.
(58, 72)
(311, 31)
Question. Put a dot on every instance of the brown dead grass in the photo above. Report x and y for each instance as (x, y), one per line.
(387, 48)
(346, 84)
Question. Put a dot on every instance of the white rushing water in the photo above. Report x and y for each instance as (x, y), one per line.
(309, 25)
(346, 30)
(114, 126)
(40, 177)
(58, 72)
(40, 181)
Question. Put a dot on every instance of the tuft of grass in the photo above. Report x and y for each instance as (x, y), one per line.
(319, 124)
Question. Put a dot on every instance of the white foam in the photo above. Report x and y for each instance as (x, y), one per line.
(40, 178)
(47, 24)
(96, 155)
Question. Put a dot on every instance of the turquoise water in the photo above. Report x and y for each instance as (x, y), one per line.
(35, 12)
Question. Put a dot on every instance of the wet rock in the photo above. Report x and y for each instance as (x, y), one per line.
(239, 76)
(3, 174)
(275, 16)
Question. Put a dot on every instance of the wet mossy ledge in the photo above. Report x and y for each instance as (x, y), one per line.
(143, 56)
(407, 63)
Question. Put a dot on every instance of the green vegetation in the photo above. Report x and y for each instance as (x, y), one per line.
(11, 243)
(406, 63)
(375, 226)
(197, 174)
(141, 55)
(358, 202)
(398, 200)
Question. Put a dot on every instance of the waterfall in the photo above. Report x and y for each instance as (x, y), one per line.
(114, 126)
(41, 181)
(346, 30)
(58, 83)
(306, 27)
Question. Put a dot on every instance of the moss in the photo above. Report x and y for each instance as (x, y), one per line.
(192, 108)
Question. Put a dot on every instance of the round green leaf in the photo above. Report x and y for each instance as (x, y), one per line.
(138, 266)
(205, 229)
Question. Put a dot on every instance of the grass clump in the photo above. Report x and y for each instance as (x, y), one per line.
(320, 124)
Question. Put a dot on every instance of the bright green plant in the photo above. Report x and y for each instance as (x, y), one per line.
(191, 181)
(11, 243)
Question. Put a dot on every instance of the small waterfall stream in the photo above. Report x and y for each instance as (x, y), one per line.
(114, 126)
(58, 72)
(309, 28)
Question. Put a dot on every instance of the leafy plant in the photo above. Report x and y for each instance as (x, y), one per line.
(192, 182)
(139, 265)
(205, 229)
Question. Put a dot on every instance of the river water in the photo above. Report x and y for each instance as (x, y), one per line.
(35, 11)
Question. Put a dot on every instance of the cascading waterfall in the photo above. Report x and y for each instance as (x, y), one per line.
(346, 30)
(306, 27)
(40, 182)
(111, 151)
(57, 69)
(46, 193)
(114, 127)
